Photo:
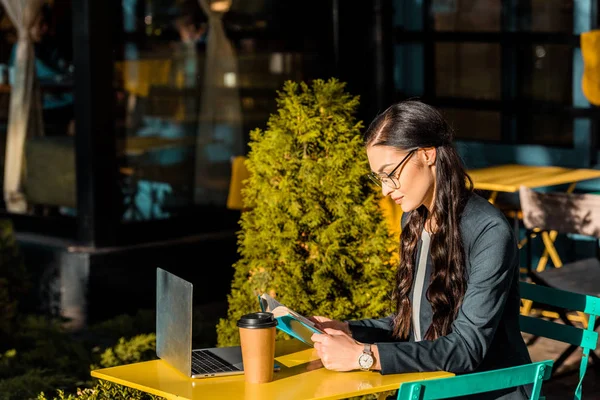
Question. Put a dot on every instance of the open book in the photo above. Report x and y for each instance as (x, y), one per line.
(289, 321)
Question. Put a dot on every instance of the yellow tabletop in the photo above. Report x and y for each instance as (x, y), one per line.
(508, 178)
(138, 75)
(302, 376)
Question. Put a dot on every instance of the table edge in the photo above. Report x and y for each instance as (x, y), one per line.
(132, 385)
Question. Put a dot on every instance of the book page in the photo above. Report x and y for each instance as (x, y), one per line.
(268, 303)
(278, 309)
(301, 318)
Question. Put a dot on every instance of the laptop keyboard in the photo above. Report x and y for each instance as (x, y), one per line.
(205, 362)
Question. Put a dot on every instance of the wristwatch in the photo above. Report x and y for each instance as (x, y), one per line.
(365, 360)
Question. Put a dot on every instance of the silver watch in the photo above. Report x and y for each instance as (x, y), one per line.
(365, 360)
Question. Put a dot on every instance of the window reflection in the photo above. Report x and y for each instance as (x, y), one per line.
(474, 125)
(467, 15)
(470, 70)
(194, 78)
(47, 183)
(551, 15)
(547, 73)
(547, 129)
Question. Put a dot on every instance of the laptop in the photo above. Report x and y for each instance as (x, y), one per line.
(174, 298)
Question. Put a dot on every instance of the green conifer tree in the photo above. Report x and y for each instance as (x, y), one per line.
(314, 235)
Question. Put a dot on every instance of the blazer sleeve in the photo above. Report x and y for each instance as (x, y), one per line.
(372, 330)
(493, 259)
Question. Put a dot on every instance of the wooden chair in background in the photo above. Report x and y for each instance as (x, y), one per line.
(548, 214)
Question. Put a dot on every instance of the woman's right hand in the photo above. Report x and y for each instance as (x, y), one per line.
(322, 323)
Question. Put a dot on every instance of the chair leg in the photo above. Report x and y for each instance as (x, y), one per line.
(532, 341)
(526, 307)
(549, 251)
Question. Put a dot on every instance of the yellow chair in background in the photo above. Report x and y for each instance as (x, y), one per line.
(590, 52)
(239, 173)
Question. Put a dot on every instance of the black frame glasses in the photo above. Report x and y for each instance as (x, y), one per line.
(389, 179)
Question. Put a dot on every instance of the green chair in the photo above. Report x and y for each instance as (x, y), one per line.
(480, 382)
(562, 300)
(545, 215)
(488, 381)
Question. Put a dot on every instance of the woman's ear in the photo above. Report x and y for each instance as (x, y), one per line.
(429, 155)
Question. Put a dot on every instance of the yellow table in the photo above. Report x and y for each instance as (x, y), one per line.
(508, 178)
(302, 376)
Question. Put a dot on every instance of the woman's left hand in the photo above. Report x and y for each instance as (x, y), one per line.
(337, 350)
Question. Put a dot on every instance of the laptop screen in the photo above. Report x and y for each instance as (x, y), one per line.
(174, 298)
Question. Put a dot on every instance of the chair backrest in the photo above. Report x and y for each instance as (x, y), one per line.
(563, 212)
(480, 382)
(587, 339)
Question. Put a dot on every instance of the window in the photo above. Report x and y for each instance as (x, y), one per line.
(47, 184)
(506, 72)
(472, 124)
(469, 70)
(543, 70)
(186, 108)
(467, 15)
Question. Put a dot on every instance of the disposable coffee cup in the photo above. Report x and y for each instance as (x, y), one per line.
(257, 336)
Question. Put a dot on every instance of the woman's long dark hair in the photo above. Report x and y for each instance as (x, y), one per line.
(412, 124)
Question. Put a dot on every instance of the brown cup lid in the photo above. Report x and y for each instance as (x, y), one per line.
(257, 320)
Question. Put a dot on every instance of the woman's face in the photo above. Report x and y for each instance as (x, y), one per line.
(415, 177)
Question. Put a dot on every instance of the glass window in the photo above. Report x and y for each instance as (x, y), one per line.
(474, 125)
(48, 182)
(547, 73)
(470, 70)
(191, 89)
(551, 15)
(546, 129)
(408, 15)
(466, 15)
(408, 69)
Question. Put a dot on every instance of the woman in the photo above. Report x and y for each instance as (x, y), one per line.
(456, 293)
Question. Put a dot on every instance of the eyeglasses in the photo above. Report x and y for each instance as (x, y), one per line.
(390, 180)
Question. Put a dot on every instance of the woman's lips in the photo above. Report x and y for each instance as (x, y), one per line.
(398, 200)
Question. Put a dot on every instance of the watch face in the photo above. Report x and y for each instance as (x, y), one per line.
(365, 361)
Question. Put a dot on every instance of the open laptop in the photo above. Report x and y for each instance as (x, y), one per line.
(174, 298)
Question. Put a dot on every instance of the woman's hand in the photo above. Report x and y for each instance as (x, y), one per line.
(323, 323)
(337, 350)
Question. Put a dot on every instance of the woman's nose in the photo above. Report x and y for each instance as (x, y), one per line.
(386, 190)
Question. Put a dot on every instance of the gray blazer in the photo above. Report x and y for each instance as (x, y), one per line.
(486, 334)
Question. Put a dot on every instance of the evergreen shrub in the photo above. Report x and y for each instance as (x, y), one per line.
(314, 235)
